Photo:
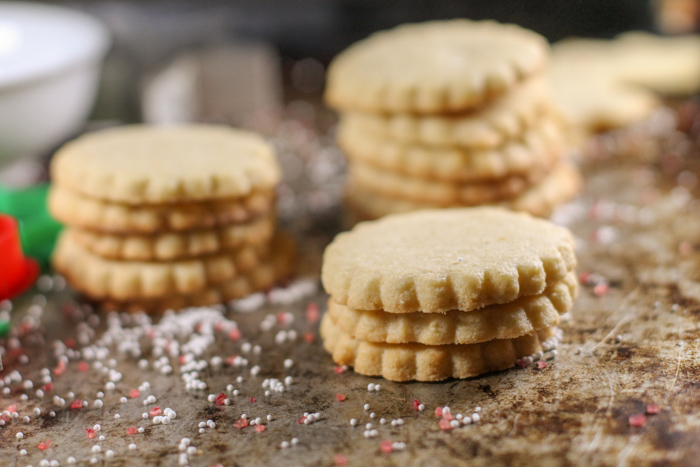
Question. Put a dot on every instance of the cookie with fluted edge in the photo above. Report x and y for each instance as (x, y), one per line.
(131, 280)
(434, 67)
(449, 259)
(505, 321)
(406, 362)
(559, 187)
(440, 192)
(177, 245)
(538, 148)
(278, 267)
(139, 164)
(103, 216)
(495, 124)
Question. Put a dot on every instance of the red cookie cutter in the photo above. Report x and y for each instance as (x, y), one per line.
(17, 273)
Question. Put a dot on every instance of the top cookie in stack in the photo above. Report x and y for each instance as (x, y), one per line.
(167, 217)
(449, 113)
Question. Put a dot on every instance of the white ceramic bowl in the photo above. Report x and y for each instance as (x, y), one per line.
(50, 59)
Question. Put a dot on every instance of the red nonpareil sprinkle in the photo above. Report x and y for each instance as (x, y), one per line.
(339, 369)
(601, 289)
(312, 313)
(259, 428)
(653, 409)
(60, 368)
(155, 411)
(309, 337)
(90, 433)
(131, 430)
(234, 334)
(301, 420)
(76, 404)
(44, 445)
(340, 397)
(340, 460)
(447, 416)
(541, 365)
(70, 343)
(522, 363)
(231, 359)
(445, 424)
(284, 317)
(637, 420)
(438, 412)
(83, 367)
(685, 248)
(134, 393)
(252, 399)
(241, 423)
(584, 277)
(12, 408)
(415, 404)
(181, 359)
(221, 399)
(386, 446)
(47, 387)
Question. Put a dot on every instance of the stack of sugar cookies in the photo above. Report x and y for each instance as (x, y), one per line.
(449, 113)
(449, 293)
(168, 217)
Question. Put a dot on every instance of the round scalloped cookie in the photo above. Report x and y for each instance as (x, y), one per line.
(434, 67)
(101, 278)
(406, 362)
(494, 125)
(560, 186)
(140, 164)
(538, 148)
(103, 216)
(449, 259)
(177, 245)
(503, 321)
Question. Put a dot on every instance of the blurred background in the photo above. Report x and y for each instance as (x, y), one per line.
(300, 37)
(257, 64)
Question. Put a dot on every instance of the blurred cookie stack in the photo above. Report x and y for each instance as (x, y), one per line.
(162, 218)
(450, 293)
(449, 113)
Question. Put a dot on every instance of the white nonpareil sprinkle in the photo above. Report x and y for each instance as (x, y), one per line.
(353, 421)
(132, 447)
(366, 406)
(288, 363)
